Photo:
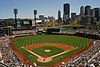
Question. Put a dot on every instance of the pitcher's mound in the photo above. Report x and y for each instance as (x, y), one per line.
(47, 51)
(44, 60)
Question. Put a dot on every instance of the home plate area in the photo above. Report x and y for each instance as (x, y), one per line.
(47, 51)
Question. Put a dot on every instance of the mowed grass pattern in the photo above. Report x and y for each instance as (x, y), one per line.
(75, 41)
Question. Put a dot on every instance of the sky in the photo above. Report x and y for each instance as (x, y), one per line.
(43, 7)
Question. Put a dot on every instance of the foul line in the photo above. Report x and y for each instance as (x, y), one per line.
(60, 53)
(51, 56)
(34, 53)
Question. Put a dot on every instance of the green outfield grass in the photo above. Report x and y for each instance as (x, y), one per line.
(74, 41)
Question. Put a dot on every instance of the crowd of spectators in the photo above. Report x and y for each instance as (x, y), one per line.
(24, 32)
(7, 57)
(89, 31)
(90, 58)
(84, 31)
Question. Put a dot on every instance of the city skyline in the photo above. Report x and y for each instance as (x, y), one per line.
(44, 7)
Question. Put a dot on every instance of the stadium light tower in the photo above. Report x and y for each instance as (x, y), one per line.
(16, 12)
(35, 12)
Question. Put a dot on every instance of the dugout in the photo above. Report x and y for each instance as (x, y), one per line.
(53, 31)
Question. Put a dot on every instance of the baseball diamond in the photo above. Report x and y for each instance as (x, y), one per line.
(58, 47)
(66, 49)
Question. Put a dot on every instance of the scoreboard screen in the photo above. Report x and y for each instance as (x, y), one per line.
(18, 23)
(26, 22)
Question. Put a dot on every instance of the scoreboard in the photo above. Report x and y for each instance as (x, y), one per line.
(26, 23)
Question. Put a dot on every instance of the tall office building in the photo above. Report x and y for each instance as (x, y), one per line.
(73, 16)
(66, 14)
(82, 10)
(97, 13)
(67, 9)
(59, 15)
(87, 10)
(92, 12)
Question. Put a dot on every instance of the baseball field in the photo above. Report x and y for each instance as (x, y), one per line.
(46, 50)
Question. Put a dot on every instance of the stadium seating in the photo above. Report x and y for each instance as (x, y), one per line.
(7, 57)
(90, 58)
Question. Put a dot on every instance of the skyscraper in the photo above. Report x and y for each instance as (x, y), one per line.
(59, 15)
(92, 12)
(87, 10)
(66, 14)
(73, 16)
(67, 9)
(82, 10)
(97, 13)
